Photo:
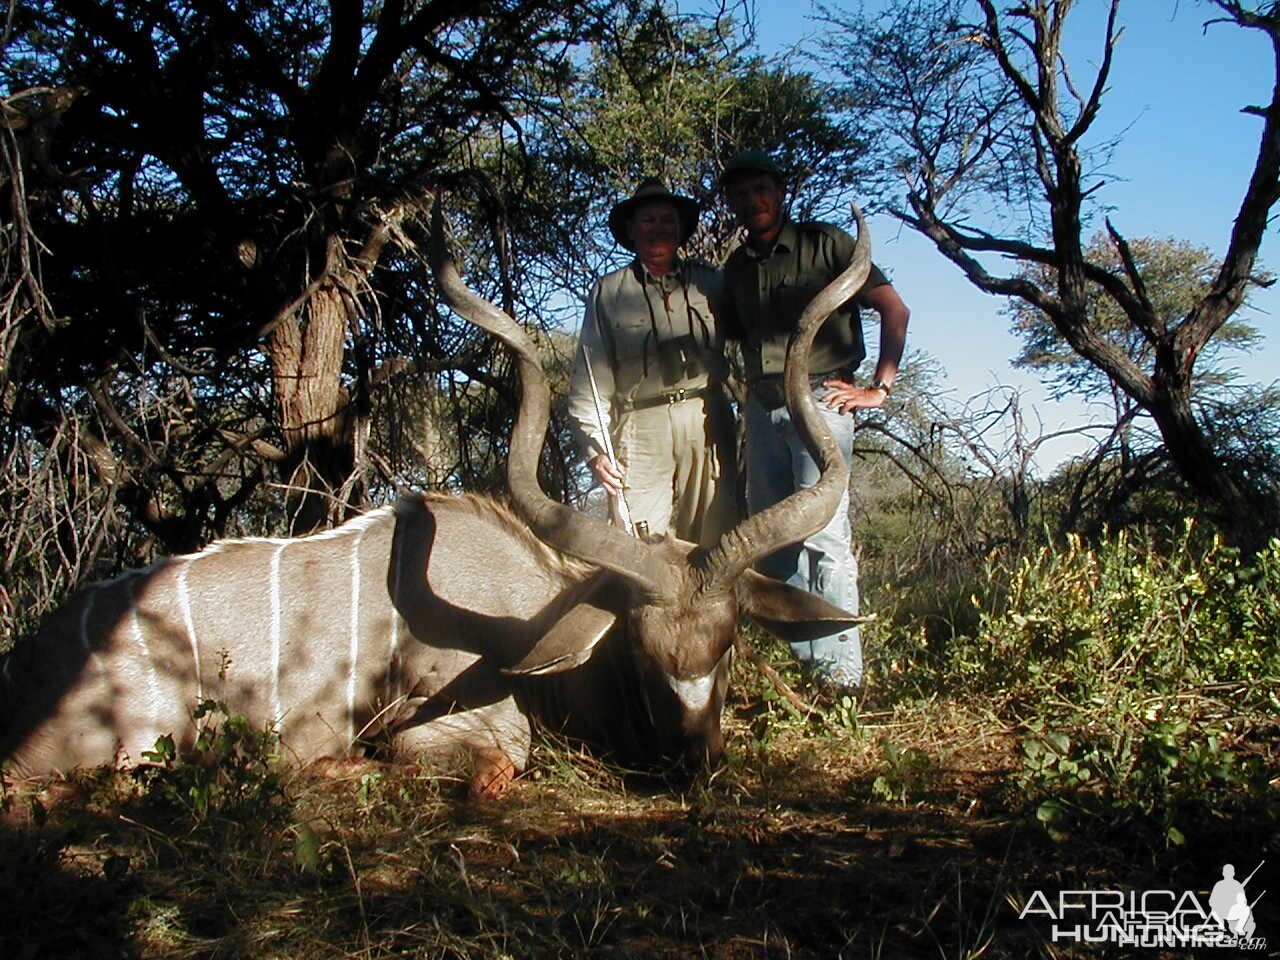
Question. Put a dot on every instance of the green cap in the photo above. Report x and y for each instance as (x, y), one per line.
(750, 161)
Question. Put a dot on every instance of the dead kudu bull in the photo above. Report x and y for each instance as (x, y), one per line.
(434, 627)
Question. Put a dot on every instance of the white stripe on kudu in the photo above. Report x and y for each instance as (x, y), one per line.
(184, 604)
(84, 621)
(354, 652)
(277, 715)
(144, 651)
(393, 668)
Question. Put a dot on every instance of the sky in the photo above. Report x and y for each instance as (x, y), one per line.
(1181, 167)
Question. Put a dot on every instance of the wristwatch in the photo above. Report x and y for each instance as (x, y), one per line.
(878, 384)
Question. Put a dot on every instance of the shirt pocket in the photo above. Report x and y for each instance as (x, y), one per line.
(789, 299)
(630, 323)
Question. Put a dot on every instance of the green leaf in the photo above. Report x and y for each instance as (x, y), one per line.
(1050, 812)
(306, 848)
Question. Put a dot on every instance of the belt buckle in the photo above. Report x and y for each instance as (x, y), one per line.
(675, 396)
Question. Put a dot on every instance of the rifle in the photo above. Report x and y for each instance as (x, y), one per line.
(624, 512)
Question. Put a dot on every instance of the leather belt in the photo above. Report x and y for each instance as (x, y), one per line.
(667, 398)
(770, 391)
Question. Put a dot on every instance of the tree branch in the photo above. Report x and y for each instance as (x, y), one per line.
(1231, 286)
(1090, 108)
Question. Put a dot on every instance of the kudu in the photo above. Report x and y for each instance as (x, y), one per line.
(435, 627)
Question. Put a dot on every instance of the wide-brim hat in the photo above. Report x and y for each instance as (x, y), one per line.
(653, 190)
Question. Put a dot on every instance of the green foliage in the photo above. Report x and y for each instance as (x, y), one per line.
(230, 775)
(1082, 620)
(906, 773)
(842, 714)
(1175, 274)
(1142, 677)
(770, 716)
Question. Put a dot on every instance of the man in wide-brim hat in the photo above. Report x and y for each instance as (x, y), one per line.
(656, 350)
(651, 190)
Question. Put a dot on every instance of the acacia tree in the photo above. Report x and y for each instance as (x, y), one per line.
(1175, 273)
(671, 95)
(983, 130)
(1130, 456)
(217, 202)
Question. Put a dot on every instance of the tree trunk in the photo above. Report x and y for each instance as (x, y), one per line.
(306, 350)
(1209, 477)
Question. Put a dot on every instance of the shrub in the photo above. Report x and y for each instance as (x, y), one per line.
(231, 775)
(1140, 675)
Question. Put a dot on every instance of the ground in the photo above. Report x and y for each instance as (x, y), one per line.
(895, 835)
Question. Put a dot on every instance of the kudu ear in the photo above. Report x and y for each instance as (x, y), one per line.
(571, 639)
(789, 613)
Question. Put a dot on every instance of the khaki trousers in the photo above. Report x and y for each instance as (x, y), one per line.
(681, 474)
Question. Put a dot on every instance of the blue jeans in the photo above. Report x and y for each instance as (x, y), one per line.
(777, 465)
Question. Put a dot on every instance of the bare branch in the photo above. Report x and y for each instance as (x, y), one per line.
(1232, 283)
(1145, 319)
(1090, 107)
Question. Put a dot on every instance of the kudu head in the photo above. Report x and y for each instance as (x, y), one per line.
(678, 602)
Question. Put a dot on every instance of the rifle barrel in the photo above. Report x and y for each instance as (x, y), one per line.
(624, 512)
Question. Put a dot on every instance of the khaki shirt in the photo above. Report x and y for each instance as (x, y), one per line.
(768, 292)
(647, 337)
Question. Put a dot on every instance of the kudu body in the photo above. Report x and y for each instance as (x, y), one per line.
(438, 626)
(389, 627)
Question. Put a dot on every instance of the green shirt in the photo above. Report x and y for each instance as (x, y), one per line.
(767, 293)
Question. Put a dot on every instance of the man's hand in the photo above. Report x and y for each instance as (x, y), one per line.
(609, 474)
(845, 396)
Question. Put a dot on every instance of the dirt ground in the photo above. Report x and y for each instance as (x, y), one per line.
(813, 843)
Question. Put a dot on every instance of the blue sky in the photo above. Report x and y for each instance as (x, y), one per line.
(1175, 94)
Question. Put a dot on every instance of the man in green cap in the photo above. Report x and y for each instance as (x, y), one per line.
(652, 352)
(770, 279)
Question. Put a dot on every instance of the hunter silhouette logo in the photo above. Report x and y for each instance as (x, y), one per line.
(1230, 903)
(1154, 918)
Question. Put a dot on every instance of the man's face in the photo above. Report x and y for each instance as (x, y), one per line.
(654, 230)
(756, 202)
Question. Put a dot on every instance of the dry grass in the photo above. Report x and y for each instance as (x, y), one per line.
(792, 851)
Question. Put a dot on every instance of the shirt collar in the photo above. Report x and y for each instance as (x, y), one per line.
(643, 275)
(785, 242)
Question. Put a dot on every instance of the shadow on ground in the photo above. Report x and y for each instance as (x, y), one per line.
(775, 858)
